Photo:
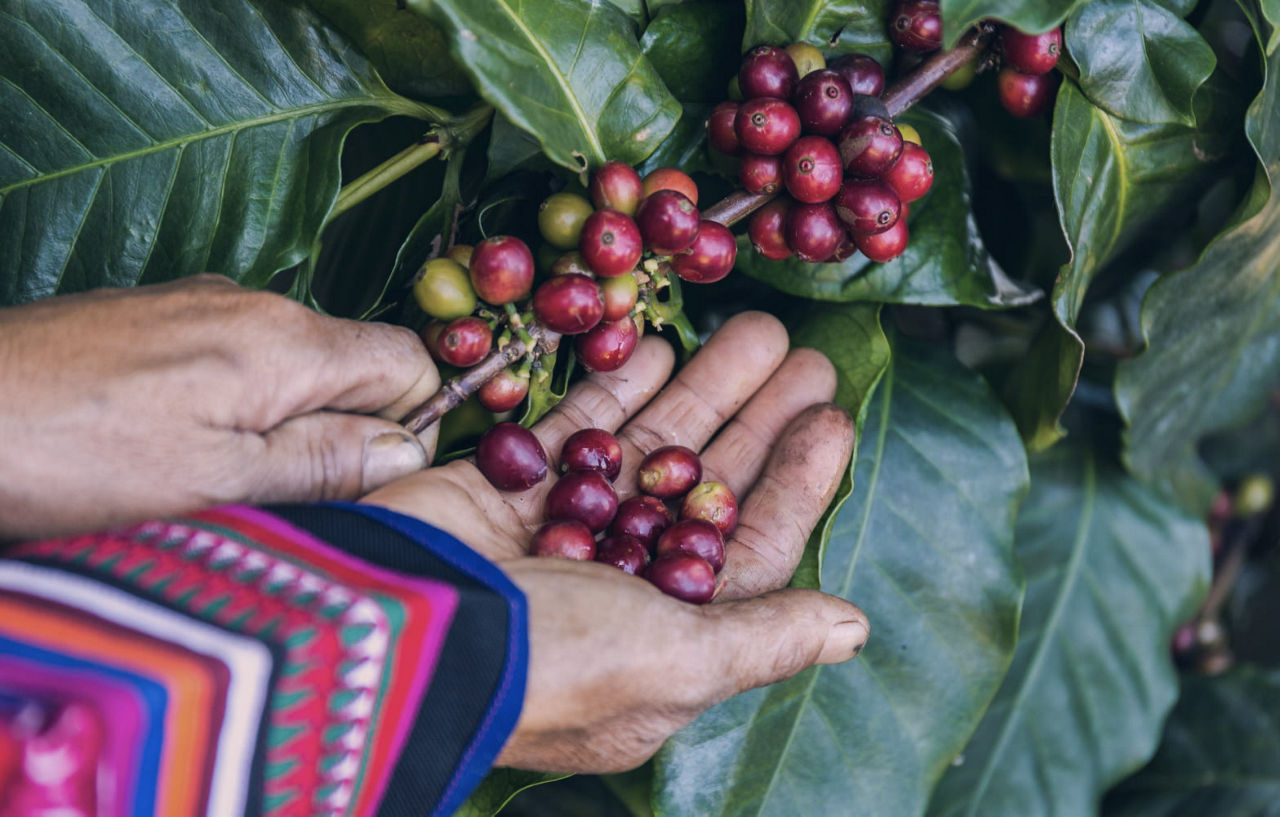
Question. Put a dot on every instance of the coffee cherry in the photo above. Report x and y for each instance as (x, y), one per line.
(714, 503)
(916, 25)
(670, 471)
(570, 263)
(685, 576)
(569, 304)
(608, 346)
(443, 290)
(767, 72)
(908, 133)
(912, 175)
(811, 169)
(1031, 53)
(465, 342)
(696, 536)
(616, 186)
(501, 269)
(760, 174)
(766, 126)
(1254, 495)
(813, 231)
(845, 250)
(668, 222)
(564, 539)
(592, 449)
(869, 146)
(807, 58)
(560, 219)
(623, 552)
(1025, 95)
(644, 517)
(886, 246)
(430, 335)
(720, 132)
(823, 101)
(461, 253)
(583, 495)
(767, 230)
(863, 73)
(611, 243)
(505, 391)
(511, 458)
(711, 257)
(669, 178)
(867, 206)
(620, 295)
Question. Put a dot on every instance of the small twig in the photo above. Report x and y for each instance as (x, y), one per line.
(916, 85)
(1237, 537)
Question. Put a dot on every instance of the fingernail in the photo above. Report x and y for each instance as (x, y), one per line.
(844, 641)
(389, 456)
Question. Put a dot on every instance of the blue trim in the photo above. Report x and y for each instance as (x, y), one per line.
(500, 719)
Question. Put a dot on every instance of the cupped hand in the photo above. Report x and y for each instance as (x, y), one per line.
(119, 405)
(616, 666)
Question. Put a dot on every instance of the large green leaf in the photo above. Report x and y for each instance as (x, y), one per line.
(839, 25)
(127, 157)
(1213, 330)
(1111, 568)
(1028, 15)
(1220, 755)
(945, 263)
(925, 547)
(694, 48)
(568, 72)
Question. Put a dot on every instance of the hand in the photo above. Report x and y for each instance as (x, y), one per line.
(119, 405)
(617, 666)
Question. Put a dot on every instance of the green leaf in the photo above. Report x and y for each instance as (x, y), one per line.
(128, 158)
(686, 146)
(497, 789)
(945, 263)
(1111, 568)
(1220, 754)
(840, 25)
(1139, 60)
(1026, 15)
(694, 48)
(1213, 330)
(925, 546)
(1271, 11)
(568, 72)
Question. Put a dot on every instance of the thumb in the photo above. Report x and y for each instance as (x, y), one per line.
(772, 637)
(331, 455)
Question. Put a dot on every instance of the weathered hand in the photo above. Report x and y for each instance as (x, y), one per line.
(617, 666)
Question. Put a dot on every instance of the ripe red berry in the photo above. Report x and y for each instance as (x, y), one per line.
(696, 536)
(669, 471)
(685, 576)
(1031, 53)
(620, 295)
(710, 258)
(616, 186)
(1025, 95)
(720, 132)
(610, 243)
(670, 178)
(464, 342)
(813, 231)
(912, 175)
(884, 246)
(811, 169)
(823, 101)
(916, 25)
(869, 145)
(760, 174)
(863, 73)
(623, 552)
(568, 304)
(867, 206)
(505, 391)
(844, 251)
(501, 269)
(608, 346)
(668, 222)
(714, 503)
(766, 126)
(564, 539)
(768, 230)
(592, 449)
(511, 458)
(583, 495)
(767, 72)
(644, 517)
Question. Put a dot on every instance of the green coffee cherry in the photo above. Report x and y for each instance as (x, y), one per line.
(960, 79)
(560, 219)
(1254, 495)
(443, 290)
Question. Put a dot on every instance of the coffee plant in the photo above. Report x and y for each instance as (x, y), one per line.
(1039, 239)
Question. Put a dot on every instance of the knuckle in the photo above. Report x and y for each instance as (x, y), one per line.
(645, 438)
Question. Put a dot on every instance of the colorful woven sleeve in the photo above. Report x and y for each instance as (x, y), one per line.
(331, 660)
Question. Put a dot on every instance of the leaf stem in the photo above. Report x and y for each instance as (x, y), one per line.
(357, 190)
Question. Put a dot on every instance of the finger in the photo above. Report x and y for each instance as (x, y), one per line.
(722, 376)
(328, 455)
(770, 638)
(738, 453)
(780, 513)
(377, 368)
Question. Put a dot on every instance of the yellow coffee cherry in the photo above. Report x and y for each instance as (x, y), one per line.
(443, 290)
(807, 58)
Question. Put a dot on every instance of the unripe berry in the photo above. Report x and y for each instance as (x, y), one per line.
(461, 253)
(608, 346)
(616, 186)
(668, 222)
(766, 126)
(1031, 53)
(823, 101)
(501, 269)
(570, 263)
(767, 72)
(620, 296)
(568, 304)
(710, 258)
(669, 471)
(430, 335)
(511, 458)
(720, 132)
(560, 219)
(807, 59)
(813, 231)
(505, 391)
(465, 342)
(443, 290)
(768, 230)
(610, 243)
(811, 170)
(564, 539)
(714, 503)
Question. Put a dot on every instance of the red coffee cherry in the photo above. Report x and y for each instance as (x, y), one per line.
(870, 145)
(696, 536)
(863, 73)
(592, 449)
(867, 206)
(511, 458)
(760, 174)
(714, 503)
(568, 304)
(464, 342)
(610, 243)
(1025, 95)
(616, 186)
(912, 175)
(916, 25)
(670, 178)
(505, 391)
(668, 222)
(501, 269)
(886, 246)
(720, 133)
(768, 230)
(644, 517)
(823, 101)
(608, 346)
(813, 231)
(669, 471)
(685, 576)
(623, 552)
(811, 169)
(710, 258)
(766, 126)
(767, 72)
(1031, 53)
(583, 495)
(564, 539)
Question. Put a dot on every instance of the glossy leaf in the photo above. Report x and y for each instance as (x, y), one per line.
(924, 545)
(568, 72)
(1111, 569)
(497, 789)
(131, 158)
(694, 48)
(945, 262)
(1220, 754)
(686, 146)
(1026, 15)
(840, 25)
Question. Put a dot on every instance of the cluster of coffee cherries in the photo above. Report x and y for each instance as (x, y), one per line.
(1025, 83)
(680, 553)
(609, 258)
(822, 134)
